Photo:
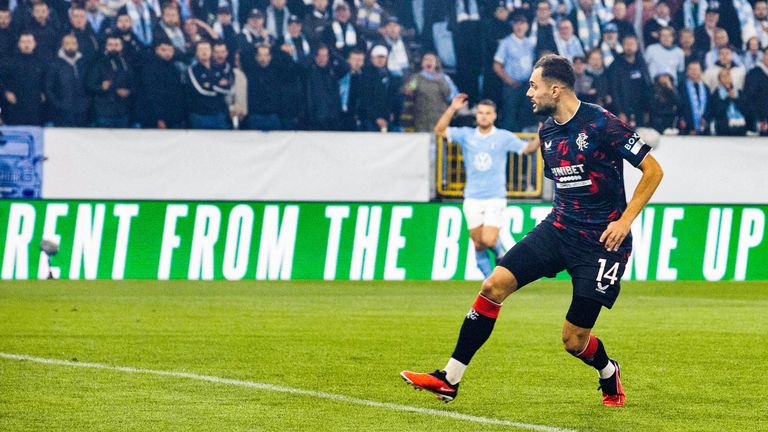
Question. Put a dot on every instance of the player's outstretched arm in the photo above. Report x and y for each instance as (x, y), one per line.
(616, 231)
(533, 145)
(458, 101)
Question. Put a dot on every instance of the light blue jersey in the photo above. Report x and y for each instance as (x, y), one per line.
(485, 159)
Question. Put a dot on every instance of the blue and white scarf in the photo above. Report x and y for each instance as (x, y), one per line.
(344, 38)
(589, 27)
(607, 52)
(304, 46)
(735, 118)
(690, 21)
(697, 96)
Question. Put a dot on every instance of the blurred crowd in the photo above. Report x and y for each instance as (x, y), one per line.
(679, 66)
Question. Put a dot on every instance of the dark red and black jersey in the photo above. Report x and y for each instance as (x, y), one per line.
(583, 157)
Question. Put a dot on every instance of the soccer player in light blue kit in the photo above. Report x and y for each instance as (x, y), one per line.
(485, 151)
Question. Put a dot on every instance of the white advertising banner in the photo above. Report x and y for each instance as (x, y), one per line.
(234, 165)
(709, 170)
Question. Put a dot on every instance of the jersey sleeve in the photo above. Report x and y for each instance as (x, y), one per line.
(625, 141)
(513, 143)
(457, 135)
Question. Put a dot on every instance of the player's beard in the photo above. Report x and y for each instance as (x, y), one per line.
(544, 110)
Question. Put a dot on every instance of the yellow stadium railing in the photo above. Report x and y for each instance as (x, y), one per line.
(525, 173)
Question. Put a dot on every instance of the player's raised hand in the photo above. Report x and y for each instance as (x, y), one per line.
(614, 235)
(460, 100)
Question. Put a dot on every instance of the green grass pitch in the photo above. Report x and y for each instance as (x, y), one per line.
(693, 356)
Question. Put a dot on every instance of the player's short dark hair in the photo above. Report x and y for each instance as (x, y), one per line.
(558, 68)
(488, 102)
(355, 51)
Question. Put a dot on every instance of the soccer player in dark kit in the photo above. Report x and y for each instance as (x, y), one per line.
(587, 233)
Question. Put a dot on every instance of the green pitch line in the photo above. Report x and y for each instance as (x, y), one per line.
(691, 356)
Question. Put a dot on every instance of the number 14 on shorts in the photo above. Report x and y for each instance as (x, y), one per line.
(611, 275)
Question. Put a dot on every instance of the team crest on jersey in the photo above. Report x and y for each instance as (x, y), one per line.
(482, 161)
(581, 141)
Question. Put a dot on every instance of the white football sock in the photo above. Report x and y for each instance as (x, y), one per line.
(454, 370)
(607, 371)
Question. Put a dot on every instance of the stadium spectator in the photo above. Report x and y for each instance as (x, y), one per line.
(46, 33)
(691, 14)
(705, 33)
(65, 86)
(465, 25)
(208, 86)
(23, 76)
(253, 35)
(432, 90)
(694, 95)
(95, 15)
(760, 11)
(735, 15)
(584, 85)
(316, 20)
(756, 87)
(721, 40)
(351, 91)
(163, 94)
(398, 65)
(87, 41)
(295, 44)
(277, 15)
(596, 70)
(370, 16)
(227, 29)
(568, 45)
(143, 16)
(629, 84)
(561, 8)
(753, 54)
(375, 114)
(494, 31)
(543, 29)
(688, 45)
(110, 80)
(586, 16)
(7, 36)
(513, 64)
(196, 31)
(610, 47)
(666, 103)
(123, 29)
(169, 29)
(623, 27)
(661, 18)
(323, 95)
(292, 109)
(725, 61)
(727, 107)
(342, 35)
(264, 84)
(664, 57)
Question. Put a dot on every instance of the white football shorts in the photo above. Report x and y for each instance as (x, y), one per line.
(488, 212)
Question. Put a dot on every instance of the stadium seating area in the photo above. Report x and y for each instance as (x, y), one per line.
(679, 66)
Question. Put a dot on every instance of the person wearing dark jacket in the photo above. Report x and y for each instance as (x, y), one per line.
(46, 33)
(87, 41)
(375, 113)
(65, 86)
(133, 49)
(629, 85)
(323, 98)
(208, 88)
(342, 35)
(23, 78)
(164, 105)
(351, 90)
(694, 96)
(110, 80)
(264, 91)
(7, 36)
(727, 107)
(756, 86)
(666, 103)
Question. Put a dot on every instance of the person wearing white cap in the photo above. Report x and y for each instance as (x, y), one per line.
(375, 114)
